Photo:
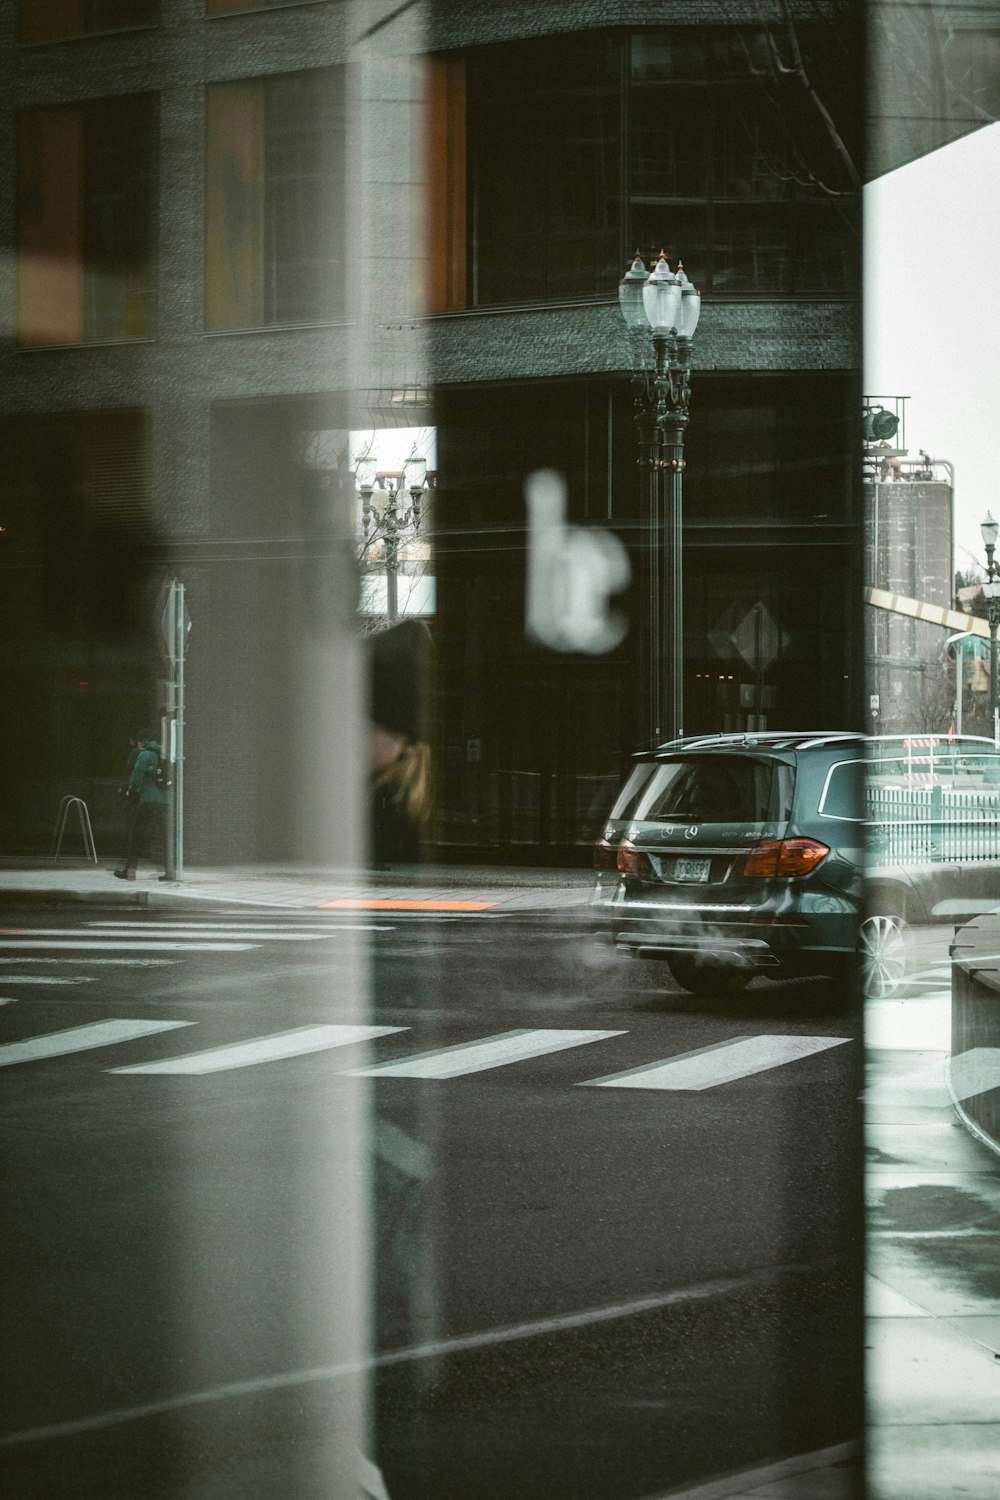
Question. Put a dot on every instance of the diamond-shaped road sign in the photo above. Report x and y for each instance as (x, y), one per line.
(758, 639)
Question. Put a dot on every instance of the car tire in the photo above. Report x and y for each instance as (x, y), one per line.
(882, 954)
(708, 977)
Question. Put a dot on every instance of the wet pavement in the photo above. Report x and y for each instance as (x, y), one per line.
(932, 1189)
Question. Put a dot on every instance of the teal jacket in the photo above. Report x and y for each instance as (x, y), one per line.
(142, 783)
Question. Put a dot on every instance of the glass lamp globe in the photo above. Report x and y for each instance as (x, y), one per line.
(690, 308)
(661, 297)
(630, 293)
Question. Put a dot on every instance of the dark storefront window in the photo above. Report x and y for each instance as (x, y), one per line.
(275, 196)
(722, 143)
(52, 20)
(86, 205)
(774, 448)
(76, 613)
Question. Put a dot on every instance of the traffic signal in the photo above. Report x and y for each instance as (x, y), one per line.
(879, 424)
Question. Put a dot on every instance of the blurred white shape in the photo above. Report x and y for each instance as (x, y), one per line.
(572, 573)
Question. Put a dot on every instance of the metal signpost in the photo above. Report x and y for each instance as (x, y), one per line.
(174, 626)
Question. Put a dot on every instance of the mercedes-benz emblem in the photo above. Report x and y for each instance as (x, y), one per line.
(692, 832)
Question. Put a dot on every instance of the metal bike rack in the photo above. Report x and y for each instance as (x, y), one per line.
(65, 805)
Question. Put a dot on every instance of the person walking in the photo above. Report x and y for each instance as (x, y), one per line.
(401, 788)
(148, 801)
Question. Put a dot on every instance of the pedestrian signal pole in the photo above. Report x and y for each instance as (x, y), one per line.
(175, 623)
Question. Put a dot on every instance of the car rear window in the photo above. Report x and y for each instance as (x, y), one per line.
(633, 789)
(717, 789)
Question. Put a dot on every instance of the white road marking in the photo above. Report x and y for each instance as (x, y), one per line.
(476, 1057)
(263, 1049)
(81, 1039)
(48, 979)
(120, 963)
(975, 1072)
(708, 1067)
(411, 1158)
(436, 1350)
(142, 945)
(238, 934)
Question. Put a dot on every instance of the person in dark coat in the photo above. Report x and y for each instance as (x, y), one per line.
(400, 660)
(148, 801)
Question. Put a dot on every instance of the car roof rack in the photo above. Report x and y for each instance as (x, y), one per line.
(786, 739)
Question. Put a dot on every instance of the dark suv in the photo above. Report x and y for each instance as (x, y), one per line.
(782, 853)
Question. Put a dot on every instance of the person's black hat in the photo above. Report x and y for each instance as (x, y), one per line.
(400, 669)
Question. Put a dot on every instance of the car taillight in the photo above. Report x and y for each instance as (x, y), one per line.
(605, 855)
(778, 857)
(631, 862)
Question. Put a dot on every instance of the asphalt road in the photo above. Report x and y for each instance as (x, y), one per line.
(588, 1273)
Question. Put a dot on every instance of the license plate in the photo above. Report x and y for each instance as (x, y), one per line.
(692, 869)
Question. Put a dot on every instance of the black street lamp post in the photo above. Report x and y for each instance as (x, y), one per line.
(991, 593)
(382, 519)
(665, 306)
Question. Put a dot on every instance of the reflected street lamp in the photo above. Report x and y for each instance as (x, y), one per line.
(382, 518)
(991, 593)
(663, 306)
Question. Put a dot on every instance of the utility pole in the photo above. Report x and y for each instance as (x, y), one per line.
(175, 624)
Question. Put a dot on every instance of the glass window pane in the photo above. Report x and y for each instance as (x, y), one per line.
(303, 185)
(720, 125)
(546, 174)
(52, 20)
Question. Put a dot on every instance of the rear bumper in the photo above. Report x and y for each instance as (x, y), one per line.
(780, 938)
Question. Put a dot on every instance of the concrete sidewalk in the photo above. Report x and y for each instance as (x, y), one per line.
(933, 1192)
(499, 890)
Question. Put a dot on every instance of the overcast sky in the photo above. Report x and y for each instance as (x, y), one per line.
(932, 314)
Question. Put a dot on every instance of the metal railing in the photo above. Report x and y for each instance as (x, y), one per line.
(933, 824)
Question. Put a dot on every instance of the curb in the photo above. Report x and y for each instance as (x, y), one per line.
(62, 897)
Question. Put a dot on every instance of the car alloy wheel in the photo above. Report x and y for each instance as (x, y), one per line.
(882, 950)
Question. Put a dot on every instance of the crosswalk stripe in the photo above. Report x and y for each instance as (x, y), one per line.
(48, 979)
(237, 934)
(120, 963)
(476, 1057)
(724, 1062)
(141, 945)
(81, 1039)
(263, 1049)
(93, 931)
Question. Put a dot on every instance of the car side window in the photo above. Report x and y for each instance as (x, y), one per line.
(843, 794)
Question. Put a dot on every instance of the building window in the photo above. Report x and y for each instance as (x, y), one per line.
(85, 235)
(739, 146)
(447, 205)
(54, 20)
(544, 142)
(275, 200)
(742, 158)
